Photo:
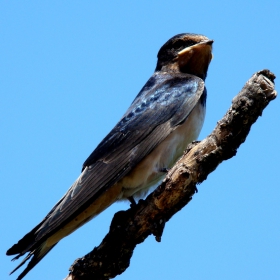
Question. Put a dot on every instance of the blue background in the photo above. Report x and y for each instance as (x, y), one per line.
(68, 72)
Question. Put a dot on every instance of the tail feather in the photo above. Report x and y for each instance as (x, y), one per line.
(22, 263)
(38, 254)
(36, 250)
(24, 245)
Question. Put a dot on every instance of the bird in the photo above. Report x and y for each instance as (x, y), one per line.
(165, 116)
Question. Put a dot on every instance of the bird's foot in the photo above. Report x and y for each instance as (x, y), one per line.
(132, 201)
(164, 170)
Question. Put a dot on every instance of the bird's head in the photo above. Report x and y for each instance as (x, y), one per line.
(186, 53)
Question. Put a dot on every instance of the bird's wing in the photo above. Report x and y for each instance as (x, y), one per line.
(163, 103)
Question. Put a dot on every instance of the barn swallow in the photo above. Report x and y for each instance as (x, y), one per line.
(166, 115)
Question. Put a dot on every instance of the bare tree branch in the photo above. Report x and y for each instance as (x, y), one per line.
(131, 227)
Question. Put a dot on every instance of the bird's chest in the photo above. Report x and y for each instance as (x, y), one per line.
(150, 170)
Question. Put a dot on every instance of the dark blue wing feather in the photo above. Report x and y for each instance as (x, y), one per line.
(164, 98)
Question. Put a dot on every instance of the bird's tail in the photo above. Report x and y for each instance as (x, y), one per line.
(36, 251)
(35, 255)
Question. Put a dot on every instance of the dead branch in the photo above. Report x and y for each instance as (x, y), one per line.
(131, 227)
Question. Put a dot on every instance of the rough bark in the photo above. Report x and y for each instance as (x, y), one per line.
(131, 227)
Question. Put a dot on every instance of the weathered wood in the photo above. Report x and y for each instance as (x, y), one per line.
(131, 227)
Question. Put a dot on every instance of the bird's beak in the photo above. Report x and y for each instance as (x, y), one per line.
(205, 46)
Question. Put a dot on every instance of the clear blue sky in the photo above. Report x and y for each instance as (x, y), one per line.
(68, 72)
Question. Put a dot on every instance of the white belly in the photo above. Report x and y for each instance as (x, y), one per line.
(148, 172)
